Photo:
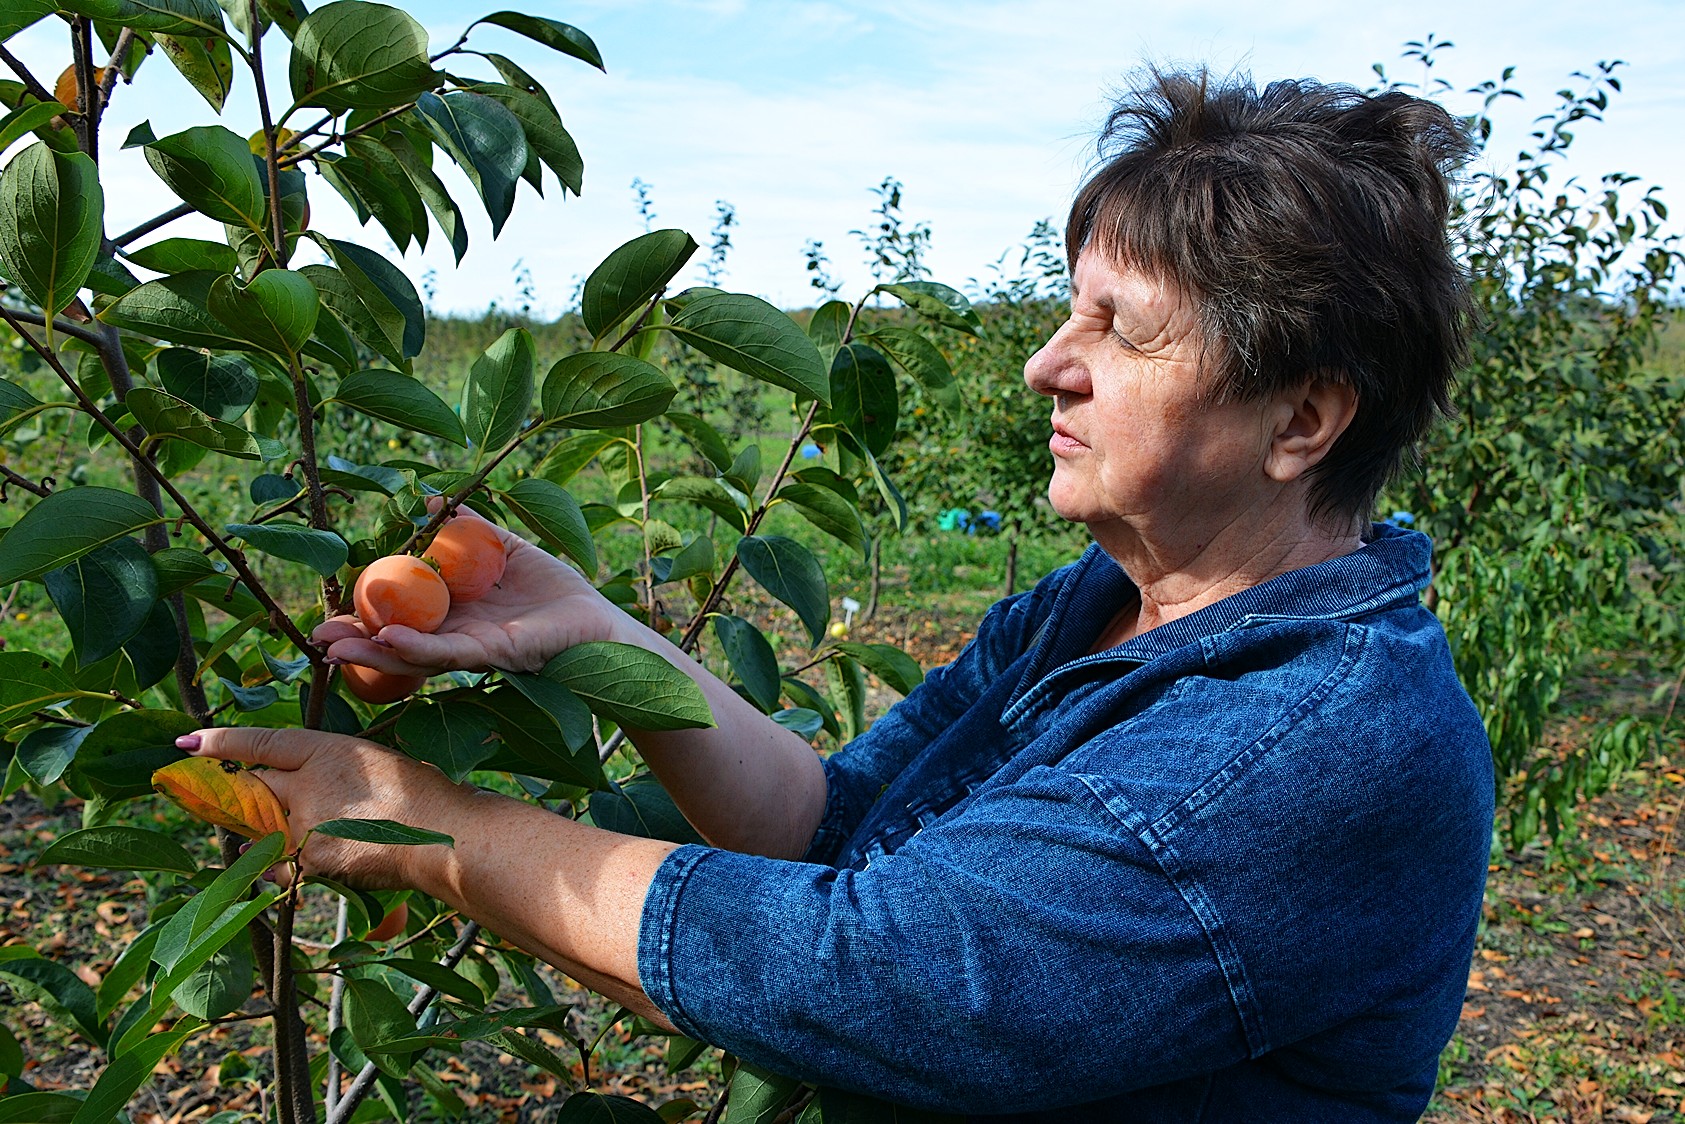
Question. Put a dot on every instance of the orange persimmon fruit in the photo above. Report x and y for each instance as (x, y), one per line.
(469, 555)
(224, 793)
(66, 88)
(392, 924)
(378, 686)
(400, 589)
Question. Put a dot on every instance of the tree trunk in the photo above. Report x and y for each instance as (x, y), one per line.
(1011, 564)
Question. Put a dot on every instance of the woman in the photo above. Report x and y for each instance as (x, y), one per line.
(1195, 830)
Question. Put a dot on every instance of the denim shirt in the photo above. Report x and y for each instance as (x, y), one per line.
(1229, 870)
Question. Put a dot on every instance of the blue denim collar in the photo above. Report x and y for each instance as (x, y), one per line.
(1390, 570)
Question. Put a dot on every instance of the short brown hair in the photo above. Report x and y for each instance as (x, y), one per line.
(1310, 221)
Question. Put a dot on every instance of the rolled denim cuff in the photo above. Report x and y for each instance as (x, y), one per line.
(655, 933)
(836, 825)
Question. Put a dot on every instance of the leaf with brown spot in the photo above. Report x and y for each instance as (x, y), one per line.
(223, 793)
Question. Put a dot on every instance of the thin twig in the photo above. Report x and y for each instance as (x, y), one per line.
(24, 482)
(60, 324)
(423, 998)
(295, 158)
(29, 81)
(336, 1006)
(179, 211)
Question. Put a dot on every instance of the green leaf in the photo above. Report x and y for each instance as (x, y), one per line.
(937, 303)
(556, 35)
(223, 386)
(827, 328)
(374, 1014)
(25, 119)
(630, 276)
(389, 833)
(65, 997)
(29, 682)
(709, 494)
(16, 402)
(51, 209)
(124, 1076)
(485, 139)
(130, 969)
(385, 188)
(554, 516)
(19, 14)
(571, 454)
(179, 567)
(450, 732)
(751, 657)
(886, 487)
(544, 132)
(922, 360)
(39, 1108)
(789, 571)
(219, 986)
(546, 731)
(68, 524)
(46, 753)
(498, 395)
(153, 650)
(276, 311)
(350, 55)
(431, 190)
(758, 1095)
(210, 168)
(323, 551)
(704, 439)
(863, 397)
(604, 390)
(402, 401)
(165, 415)
(206, 909)
(120, 755)
(104, 597)
(641, 807)
(174, 17)
(11, 1055)
(899, 671)
(387, 295)
(439, 978)
(570, 717)
(206, 63)
(631, 686)
(800, 720)
(695, 557)
(828, 511)
(747, 334)
(379, 328)
(173, 308)
(605, 1108)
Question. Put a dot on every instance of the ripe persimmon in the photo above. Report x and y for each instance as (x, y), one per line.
(469, 556)
(392, 924)
(66, 88)
(400, 589)
(377, 686)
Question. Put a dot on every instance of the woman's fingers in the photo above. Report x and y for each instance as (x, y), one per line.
(339, 628)
(278, 749)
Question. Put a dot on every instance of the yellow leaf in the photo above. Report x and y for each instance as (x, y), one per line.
(224, 793)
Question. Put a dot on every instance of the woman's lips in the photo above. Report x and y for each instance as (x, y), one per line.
(1062, 442)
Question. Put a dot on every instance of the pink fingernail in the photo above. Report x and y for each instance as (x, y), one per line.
(382, 643)
(189, 742)
(244, 847)
(335, 661)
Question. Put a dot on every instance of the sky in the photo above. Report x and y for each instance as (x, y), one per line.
(792, 111)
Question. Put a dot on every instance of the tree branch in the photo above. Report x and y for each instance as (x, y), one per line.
(179, 211)
(69, 328)
(29, 81)
(337, 138)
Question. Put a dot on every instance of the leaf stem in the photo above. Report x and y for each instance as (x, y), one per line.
(458, 497)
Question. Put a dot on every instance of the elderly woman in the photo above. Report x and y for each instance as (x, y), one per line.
(1194, 831)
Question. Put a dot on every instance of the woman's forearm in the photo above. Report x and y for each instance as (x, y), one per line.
(748, 784)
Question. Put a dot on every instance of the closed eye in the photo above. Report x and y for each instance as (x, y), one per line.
(1123, 339)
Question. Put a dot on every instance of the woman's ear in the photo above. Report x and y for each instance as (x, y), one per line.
(1310, 418)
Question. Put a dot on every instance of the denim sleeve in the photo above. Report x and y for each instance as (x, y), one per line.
(952, 974)
(857, 773)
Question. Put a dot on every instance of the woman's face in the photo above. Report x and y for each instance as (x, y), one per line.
(1134, 443)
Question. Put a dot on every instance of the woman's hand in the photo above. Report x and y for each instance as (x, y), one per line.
(541, 607)
(318, 777)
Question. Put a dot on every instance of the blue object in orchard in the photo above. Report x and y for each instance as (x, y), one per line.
(810, 451)
(1401, 519)
(988, 520)
(955, 519)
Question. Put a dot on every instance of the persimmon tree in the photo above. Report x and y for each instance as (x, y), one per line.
(265, 354)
